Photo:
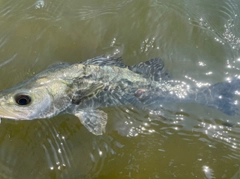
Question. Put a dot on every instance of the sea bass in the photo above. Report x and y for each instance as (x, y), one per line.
(81, 88)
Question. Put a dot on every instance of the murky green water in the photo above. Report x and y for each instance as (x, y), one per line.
(199, 42)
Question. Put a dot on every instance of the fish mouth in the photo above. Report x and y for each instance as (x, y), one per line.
(11, 115)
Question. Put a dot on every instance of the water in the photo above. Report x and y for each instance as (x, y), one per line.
(199, 42)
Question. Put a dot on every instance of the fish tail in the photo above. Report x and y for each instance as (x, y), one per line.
(222, 96)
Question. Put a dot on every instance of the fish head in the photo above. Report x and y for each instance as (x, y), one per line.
(37, 98)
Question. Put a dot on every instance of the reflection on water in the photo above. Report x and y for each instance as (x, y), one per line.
(199, 42)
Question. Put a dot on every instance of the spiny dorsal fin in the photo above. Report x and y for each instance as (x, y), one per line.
(153, 69)
(105, 61)
(58, 65)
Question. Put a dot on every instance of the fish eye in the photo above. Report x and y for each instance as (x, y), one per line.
(22, 99)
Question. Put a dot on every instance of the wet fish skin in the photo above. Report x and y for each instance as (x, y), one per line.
(80, 89)
(54, 91)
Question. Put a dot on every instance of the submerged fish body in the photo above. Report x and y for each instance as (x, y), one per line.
(82, 88)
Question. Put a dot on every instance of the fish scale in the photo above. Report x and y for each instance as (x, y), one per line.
(81, 88)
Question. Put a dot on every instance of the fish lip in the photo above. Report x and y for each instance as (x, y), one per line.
(10, 115)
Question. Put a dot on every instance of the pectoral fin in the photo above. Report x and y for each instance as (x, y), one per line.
(94, 120)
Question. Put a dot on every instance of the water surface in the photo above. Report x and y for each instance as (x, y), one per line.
(199, 42)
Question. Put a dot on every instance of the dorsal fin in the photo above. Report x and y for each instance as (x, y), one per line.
(153, 69)
(105, 61)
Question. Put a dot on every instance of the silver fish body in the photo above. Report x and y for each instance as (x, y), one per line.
(80, 89)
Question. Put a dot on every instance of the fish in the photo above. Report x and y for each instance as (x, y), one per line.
(85, 88)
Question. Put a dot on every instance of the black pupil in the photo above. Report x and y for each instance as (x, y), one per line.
(23, 99)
